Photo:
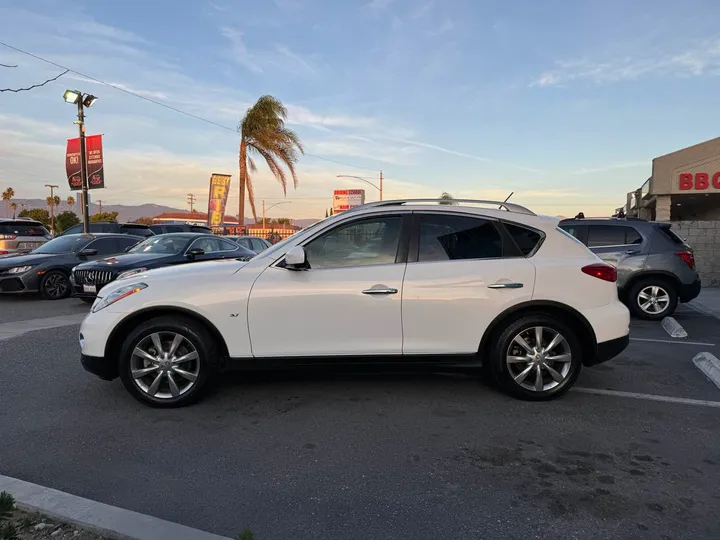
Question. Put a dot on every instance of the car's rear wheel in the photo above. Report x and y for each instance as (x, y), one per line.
(536, 357)
(55, 285)
(653, 299)
(168, 362)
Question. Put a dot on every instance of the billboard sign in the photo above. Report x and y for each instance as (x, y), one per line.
(345, 199)
(95, 171)
(219, 189)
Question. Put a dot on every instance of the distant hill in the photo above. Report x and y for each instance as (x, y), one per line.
(125, 212)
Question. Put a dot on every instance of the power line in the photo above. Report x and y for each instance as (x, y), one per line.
(160, 103)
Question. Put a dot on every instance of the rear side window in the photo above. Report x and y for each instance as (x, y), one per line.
(672, 235)
(22, 229)
(526, 239)
(444, 238)
(257, 245)
(608, 235)
(173, 228)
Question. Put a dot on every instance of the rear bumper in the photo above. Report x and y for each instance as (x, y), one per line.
(99, 366)
(608, 350)
(690, 292)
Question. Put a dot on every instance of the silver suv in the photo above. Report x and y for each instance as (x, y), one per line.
(655, 266)
(21, 235)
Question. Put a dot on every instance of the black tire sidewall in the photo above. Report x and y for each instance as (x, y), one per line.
(43, 282)
(196, 334)
(639, 286)
(501, 371)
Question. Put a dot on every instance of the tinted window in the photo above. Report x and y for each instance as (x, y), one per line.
(526, 239)
(244, 242)
(672, 235)
(360, 243)
(75, 229)
(571, 230)
(606, 235)
(257, 245)
(173, 228)
(124, 243)
(107, 228)
(213, 245)
(104, 246)
(168, 245)
(444, 238)
(64, 244)
(22, 229)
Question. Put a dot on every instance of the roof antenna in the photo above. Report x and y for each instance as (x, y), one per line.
(506, 199)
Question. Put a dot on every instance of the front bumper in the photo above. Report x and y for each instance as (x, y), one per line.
(608, 350)
(19, 284)
(690, 291)
(99, 366)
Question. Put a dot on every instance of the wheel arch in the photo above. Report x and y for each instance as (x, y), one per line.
(638, 276)
(121, 330)
(569, 315)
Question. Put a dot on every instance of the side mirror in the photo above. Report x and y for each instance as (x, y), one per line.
(296, 259)
(87, 253)
(194, 253)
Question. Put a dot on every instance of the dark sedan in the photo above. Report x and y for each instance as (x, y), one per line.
(47, 269)
(154, 252)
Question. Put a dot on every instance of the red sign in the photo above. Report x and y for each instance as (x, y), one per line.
(95, 172)
(698, 181)
(72, 164)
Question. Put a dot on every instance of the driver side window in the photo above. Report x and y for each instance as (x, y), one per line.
(360, 243)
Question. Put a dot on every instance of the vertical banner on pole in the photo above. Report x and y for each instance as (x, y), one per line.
(219, 189)
(95, 171)
(72, 164)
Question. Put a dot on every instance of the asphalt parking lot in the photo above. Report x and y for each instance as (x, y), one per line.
(631, 453)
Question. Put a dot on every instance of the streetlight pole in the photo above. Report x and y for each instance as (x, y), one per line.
(363, 179)
(52, 187)
(269, 207)
(82, 101)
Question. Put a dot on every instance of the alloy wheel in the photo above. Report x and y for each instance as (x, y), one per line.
(165, 365)
(653, 299)
(539, 359)
(56, 285)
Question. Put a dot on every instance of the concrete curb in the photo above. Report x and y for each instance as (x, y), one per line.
(103, 519)
(709, 365)
(673, 328)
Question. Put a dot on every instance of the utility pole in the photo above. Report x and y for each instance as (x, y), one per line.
(191, 201)
(52, 187)
(269, 207)
(99, 206)
(83, 166)
(381, 179)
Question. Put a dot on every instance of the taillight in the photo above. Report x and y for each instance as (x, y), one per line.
(688, 257)
(601, 271)
(7, 237)
(4, 253)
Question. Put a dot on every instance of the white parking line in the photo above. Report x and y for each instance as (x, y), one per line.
(648, 397)
(675, 342)
(709, 365)
(673, 328)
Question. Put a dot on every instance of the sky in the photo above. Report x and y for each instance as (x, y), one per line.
(564, 103)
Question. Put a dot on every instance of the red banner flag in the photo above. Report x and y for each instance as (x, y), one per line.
(72, 164)
(95, 171)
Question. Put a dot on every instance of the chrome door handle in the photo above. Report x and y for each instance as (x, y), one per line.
(632, 252)
(505, 286)
(380, 290)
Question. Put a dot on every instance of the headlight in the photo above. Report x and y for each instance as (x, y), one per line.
(118, 294)
(19, 269)
(129, 273)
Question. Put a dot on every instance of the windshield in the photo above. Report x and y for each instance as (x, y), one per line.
(168, 245)
(64, 244)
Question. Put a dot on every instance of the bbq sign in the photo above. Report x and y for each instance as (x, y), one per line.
(94, 165)
(700, 181)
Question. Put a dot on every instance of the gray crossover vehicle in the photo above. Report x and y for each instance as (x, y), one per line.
(655, 267)
(21, 235)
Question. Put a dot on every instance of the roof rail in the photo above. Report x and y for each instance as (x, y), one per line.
(510, 207)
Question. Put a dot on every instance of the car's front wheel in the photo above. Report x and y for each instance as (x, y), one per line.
(168, 362)
(55, 285)
(536, 357)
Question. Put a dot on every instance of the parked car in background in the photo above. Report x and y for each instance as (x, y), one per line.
(656, 267)
(252, 243)
(20, 235)
(47, 269)
(136, 229)
(391, 281)
(160, 250)
(179, 227)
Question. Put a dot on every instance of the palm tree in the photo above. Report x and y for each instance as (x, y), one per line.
(70, 202)
(7, 196)
(263, 133)
(13, 205)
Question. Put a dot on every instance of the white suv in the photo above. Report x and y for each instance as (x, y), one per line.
(394, 281)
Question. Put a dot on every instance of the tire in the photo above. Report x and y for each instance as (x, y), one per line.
(194, 337)
(666, 297)
(87, 300)
(565, 358)
(55, 285)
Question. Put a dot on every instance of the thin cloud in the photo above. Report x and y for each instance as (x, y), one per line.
(613, 167)
(241, 55)
(379, 5)
(702, 59)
